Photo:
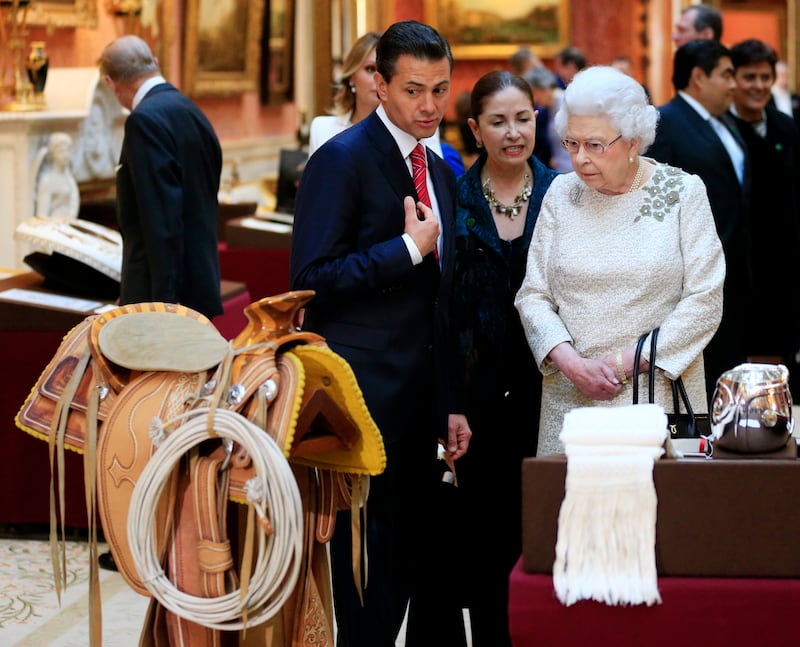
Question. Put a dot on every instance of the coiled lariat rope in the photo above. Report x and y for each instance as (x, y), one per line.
(273, 496)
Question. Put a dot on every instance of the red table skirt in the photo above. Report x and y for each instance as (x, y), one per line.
(25, 464)
(233, 320)
(712, 612)
(264, 271)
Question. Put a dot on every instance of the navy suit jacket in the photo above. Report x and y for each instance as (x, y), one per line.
(775, 239)
(384, 315)
(685, 140)
(167, 185)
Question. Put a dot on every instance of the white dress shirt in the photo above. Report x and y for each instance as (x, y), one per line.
(407, 143)
(735, 152)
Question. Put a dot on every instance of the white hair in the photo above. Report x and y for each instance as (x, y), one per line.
(604, 91)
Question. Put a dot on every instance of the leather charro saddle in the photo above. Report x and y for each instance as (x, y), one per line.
(115, 385)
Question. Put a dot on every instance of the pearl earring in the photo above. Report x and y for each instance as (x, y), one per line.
(352, 88)
(630, 159)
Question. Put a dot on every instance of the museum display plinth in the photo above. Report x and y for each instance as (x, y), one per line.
(726, 518)
(69, 94)
(726, 553)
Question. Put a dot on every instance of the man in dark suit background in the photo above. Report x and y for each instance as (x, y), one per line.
(782, 97)
(698, 21)
(381, 263)
(167, 184)
(773, 145)
(695, 134)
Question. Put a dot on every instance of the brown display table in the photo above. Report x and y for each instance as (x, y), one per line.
(251, 231)
(726, 553)
(729, 518)
(58, 312)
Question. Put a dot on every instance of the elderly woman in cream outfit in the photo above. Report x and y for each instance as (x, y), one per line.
(622, 245)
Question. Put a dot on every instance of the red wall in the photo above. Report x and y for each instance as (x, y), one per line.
(601, 30)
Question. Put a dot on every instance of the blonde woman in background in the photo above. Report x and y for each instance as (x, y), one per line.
(356, 96)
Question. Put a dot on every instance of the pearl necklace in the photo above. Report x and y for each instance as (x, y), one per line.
(637, 179)
(512, 210)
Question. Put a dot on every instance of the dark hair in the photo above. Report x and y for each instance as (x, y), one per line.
(572, 55)
(702, 53)
(492, 83)
(706, 16)
(752, 51)
(411, 38)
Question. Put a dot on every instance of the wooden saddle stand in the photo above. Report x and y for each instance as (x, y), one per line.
(174, 422)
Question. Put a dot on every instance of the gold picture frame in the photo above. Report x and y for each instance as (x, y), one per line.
(280, 55)
(495, 29)
(63, 13)
(222, 46)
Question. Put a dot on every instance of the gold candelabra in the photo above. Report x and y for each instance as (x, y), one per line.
(19, 93)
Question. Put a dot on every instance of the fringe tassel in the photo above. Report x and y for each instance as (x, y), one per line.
(606, 532)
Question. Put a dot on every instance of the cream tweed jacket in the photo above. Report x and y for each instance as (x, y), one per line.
(602, 270)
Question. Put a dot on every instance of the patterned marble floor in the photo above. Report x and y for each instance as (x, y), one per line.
(29, 612)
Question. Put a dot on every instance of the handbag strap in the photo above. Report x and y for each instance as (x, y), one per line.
(678, 389)
(636, 359)
(651, 373)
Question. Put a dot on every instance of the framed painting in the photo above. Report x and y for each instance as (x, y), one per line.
(222, 46)
(278, 52)
(490, 29)
(63, 13)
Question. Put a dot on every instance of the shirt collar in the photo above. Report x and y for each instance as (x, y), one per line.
(145, 87)
(405, 142)
(699, 108)
(735, 112)
(760, 126)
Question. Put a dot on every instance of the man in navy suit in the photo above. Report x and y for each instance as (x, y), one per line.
(167, 185)
(381, 263)
(773, 145)
(695, 133)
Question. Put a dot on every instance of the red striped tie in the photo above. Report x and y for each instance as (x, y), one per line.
(420, 173)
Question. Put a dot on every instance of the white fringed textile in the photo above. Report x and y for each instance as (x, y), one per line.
(605, 550)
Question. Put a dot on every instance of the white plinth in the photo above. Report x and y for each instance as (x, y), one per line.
(71, 93)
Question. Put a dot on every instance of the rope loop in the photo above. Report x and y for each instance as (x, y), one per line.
(280, 543)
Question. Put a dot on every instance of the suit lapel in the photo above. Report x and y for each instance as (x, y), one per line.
(446, 207)
(705, 130)
(394, 169)
(730, 122)
(389, 159)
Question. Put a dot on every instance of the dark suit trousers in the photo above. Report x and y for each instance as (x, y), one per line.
(404, 555)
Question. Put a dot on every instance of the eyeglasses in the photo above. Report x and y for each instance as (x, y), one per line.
(591, 147)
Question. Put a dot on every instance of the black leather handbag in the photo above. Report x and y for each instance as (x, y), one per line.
(681, 425)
